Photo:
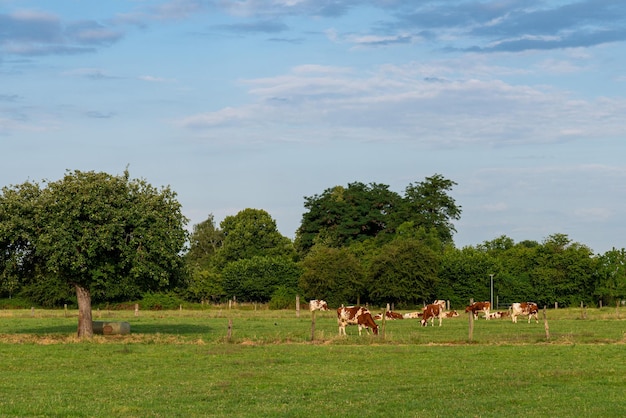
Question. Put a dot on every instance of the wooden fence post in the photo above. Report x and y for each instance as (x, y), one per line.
(297, 306)
(229, 334)
(313, 325)
(545, 323)
(471, 323)
(136, 309)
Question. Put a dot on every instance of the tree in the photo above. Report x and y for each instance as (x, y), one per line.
(18, 233)
(404, 271)
(611, 283)
(257, 278)
(341, 216)
(429, 205)
(464, 275)
(204, 242)
(564, 272)
(332, 274)
(250, 233)
(101, 233)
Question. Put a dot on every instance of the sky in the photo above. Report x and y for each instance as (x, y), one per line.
(261, 103)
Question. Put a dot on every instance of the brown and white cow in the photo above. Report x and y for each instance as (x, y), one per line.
(476, 307)
(495, 315)
(524, 308)
(441, 303)
(451, 314)
(355, 315)
(431, 312)
(389, 315)
(413, 315)
(318, 305)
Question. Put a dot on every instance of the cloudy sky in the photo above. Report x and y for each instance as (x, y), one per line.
(259, 103)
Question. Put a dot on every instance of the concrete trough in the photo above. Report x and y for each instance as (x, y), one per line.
(111, 328)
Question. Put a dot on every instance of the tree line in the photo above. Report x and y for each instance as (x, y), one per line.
(98, 238)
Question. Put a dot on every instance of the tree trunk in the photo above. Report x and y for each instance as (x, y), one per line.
(85, 324)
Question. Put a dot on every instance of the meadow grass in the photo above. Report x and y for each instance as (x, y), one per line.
(180, 363)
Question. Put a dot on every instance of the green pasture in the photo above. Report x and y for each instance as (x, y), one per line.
(182, 363)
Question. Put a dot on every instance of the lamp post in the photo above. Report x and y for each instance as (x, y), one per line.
(491, 301)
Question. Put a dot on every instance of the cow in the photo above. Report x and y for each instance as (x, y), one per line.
(524, 308)
(476, 307)
(318, 305)
(355, 315)
(413, 315)
(495, 315)
(431, 312)
(388, 315)
(441, 303)
(451, 314)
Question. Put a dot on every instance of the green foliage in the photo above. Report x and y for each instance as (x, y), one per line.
(49, 292)
(429, 204)
(334, 275)
(403, 272)
(256, 279)
(18, 302)
(611, 276)
(109, 235)
(161, 301)
(252, 233)
(564, 272)
(283, 298)
(205, 284)
(341, 216)
(465, 275)
(204, 243)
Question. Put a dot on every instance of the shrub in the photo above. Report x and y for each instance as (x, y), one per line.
(158, 301)
(283, 298)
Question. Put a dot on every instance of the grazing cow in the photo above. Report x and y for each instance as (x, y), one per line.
(524, 308)
(476, 307)
(318, 305)
(355, 315)
(451, 314)
(431, 312)
(388, 315)
(441, 303)
(413, 315)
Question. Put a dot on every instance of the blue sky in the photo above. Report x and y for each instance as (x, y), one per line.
(259, 103)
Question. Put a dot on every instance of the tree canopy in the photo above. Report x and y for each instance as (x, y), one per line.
(98, 233)
(341, 215)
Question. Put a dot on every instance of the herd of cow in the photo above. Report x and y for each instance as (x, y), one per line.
(363, 318)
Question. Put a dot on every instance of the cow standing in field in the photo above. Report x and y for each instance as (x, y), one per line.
(318, 305)
(476, 307)
(524, 308)
(355, 315)
(431, 312)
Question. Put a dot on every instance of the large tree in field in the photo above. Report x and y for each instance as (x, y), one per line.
(100, 233)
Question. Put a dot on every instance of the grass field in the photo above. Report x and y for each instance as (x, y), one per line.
(181, 363)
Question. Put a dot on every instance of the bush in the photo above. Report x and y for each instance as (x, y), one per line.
(283, 298)
(158, 301)
(16, 303)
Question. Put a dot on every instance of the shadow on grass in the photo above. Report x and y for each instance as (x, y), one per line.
(153, 328)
